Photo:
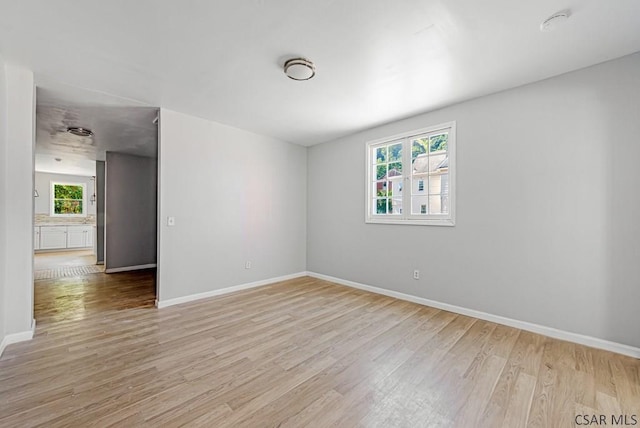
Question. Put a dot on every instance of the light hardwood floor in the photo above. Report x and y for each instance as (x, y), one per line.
(302, 353)
(79, 297)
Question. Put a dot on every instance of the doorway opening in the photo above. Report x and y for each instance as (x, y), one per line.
(95, 221)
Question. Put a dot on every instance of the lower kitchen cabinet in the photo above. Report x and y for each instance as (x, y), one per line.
(61, 237)
(36, 238)
(53, 237)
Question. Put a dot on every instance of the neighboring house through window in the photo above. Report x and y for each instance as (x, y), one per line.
(68, 199)
(423, 159)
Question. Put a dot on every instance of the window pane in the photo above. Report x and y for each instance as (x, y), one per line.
(445, 203)
(439, 204)
(395, 152)
(379, 188)
(381, 206)
(438, 162)
(435, 184)
(420, 164)
(395, 184)
(420, 205)
(419, 147)
(67, 206)
(438, 142)
(419, 185)
(396, 206)
(442, 185)
(390, 189)
(381, 172)
(395, 169)
(66, 191)
(381, 155)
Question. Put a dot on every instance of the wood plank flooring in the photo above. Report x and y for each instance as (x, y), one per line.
(300, 353)
(78, 297)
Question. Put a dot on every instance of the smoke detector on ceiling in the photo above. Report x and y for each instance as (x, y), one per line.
(80, 132)
(554, 21)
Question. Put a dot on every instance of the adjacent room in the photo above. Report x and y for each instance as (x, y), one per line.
(95, 159)
(323, 214)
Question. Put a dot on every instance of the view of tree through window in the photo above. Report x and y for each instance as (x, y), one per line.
(68, 199)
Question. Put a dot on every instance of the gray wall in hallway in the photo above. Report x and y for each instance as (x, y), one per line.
(100, 202)
(130, 211)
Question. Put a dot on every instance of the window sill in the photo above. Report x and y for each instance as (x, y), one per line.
(413, 222)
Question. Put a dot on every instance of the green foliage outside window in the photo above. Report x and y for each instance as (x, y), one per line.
(67, 199)
(434, 144)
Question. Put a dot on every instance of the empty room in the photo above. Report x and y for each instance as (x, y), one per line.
(299, 213)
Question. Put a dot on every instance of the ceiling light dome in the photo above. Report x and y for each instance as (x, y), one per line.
(555, 20)
(80, 132)
(299, 69)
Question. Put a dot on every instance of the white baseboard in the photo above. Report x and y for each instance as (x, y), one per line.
(17, 337)
(581, 339)
(129, 268)
(190, 298)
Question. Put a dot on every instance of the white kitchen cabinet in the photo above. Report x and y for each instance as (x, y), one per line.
(62, 237)
(76, 237)
(53, 237)
(88, 234)
(79, 236)
(36, 238)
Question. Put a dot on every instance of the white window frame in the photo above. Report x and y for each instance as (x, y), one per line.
(52, 199)
(406, 217)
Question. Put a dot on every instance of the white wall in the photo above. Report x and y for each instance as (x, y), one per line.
(236, 197)
(130, 215)
(547, 208)
(3, 199)
(17, 200)
(43, 186)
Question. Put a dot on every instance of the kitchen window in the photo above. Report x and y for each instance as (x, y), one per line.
(68, 199)
(422, 160)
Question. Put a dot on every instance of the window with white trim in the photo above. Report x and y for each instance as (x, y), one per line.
(411, 177)
(68, 199)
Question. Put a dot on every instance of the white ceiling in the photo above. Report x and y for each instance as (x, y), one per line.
(377, 60)
(68, 164)
(119, 125)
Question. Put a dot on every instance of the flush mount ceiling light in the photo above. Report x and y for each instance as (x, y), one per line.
(80, 132)
(299, 69)
(554, 21)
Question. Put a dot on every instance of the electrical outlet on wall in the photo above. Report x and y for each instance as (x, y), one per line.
(247, 265)
(416, 274)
